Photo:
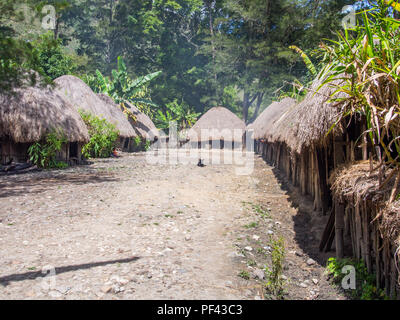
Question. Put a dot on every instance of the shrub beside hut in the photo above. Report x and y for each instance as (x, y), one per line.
(27, 115)
(145, 130)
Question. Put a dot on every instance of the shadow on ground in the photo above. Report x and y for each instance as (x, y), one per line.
(304, 229)
(5, 280)
(18, 185)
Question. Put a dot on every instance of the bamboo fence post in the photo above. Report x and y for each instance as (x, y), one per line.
(339, 226)
(358, 232)
(377, 257)
(364, 143)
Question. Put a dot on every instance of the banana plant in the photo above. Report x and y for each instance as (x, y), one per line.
(175, 112)
(121, 88)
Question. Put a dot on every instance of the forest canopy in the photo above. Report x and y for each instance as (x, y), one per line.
(206, 53)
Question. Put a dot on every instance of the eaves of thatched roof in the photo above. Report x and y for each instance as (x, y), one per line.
(28, 114)
(307, 123)
(264, 125)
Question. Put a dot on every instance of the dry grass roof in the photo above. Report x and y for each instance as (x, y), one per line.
(79, 94)
(143, 125)
(264, 125)
(28, 114)
(307, 123)
(354, 183)
(218, 120)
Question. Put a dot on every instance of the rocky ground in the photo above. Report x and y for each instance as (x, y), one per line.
(126, 229)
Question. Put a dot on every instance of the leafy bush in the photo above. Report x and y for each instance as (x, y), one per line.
(52, 58)
(43, 154)
(103, 136)
(140, 144)
(275, 282)
(181, 113)
(365, 282)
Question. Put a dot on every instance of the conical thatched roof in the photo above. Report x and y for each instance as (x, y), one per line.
(217, 120)
(143, 124)
(82, 97)
(29, 113)
(308, 122)
(264, 125)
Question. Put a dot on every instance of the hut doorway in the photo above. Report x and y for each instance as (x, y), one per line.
(73, 150)
(126, 143)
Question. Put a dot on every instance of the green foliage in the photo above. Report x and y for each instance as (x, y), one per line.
(244, 274)
(275, 283)
(121, 88)
(103, 136)
(307, 61)
(365, 63)
(43, 154)
(140, 144)
(182, 114)
(52, 59)
(365, 282)
(18, 58)
(251, 225)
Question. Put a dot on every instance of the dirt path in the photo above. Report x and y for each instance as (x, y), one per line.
(125, 229)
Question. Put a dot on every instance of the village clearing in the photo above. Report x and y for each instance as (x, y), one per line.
(125, 229)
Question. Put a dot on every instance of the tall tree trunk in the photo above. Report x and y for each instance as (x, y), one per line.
(211, 26)
(260, 97)
(57, 27)
(245, 106)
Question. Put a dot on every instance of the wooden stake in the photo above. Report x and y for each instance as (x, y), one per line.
(339, 226)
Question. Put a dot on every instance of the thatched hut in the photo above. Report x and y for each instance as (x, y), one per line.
(143, 125)
(79, 94)
(217, 128)
(365, 225)
(264, 125)
(28, 114)
(302, 143)
(330, 165)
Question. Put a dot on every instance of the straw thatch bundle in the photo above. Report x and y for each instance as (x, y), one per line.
(264, 125)
(143, 124)
(218, 120)
(354, 183)
(390, 225)
(308, 123)
(82, 97)
(28, 114)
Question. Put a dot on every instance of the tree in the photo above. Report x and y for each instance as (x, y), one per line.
(17, 57)
(253, 38)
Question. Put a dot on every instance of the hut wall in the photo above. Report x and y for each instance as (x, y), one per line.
(357, 229)
(18, 152)
(356, 232)
(70, 153)
(9, 150)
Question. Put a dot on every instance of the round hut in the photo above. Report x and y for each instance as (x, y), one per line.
(28, 114)
(217, 128)
(79, 94)
(265, 125)
(143, 125)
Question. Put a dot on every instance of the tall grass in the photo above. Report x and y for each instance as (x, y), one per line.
(366, 61)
